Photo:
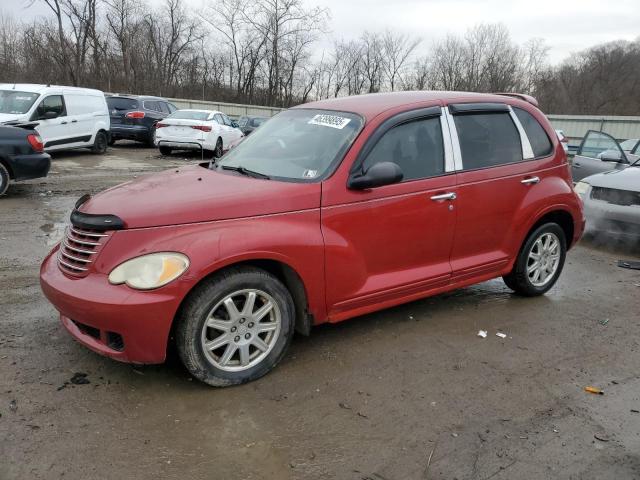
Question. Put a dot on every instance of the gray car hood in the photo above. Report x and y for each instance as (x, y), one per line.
(627, 179)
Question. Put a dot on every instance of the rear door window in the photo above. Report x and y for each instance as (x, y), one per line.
(488, 139)
(538, 138)
(415, 146)
(152, 105)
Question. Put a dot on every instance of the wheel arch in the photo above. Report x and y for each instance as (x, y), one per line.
(561, 217)
(283, 272)
(7, 165)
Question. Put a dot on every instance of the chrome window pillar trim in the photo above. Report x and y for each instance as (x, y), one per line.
(527, 151)
(449, 164)
(456, 155)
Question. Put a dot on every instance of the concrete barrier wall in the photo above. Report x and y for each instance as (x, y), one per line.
(234, 110)
(574, 126)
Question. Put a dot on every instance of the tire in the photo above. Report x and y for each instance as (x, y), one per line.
(525, 279)
(5, 178)
(100, 143)
(165, 150)
(235, 334)
(151, 139)
(219, 148)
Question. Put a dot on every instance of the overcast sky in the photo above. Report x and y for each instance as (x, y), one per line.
(566, 25)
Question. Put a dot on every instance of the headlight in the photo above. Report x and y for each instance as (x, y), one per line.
(150, 271)
(581, 188)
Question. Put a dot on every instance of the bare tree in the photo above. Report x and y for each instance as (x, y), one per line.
(397, 49)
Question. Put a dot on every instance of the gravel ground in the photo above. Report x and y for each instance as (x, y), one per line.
(407, 393)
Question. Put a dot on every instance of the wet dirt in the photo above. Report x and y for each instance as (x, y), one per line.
(407, 393)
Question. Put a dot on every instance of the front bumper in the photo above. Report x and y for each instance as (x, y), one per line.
(611, 218)
(98, 314)
(26, 167)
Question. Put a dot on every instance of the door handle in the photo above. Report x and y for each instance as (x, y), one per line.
(444, 196)
(576, 165)
(530, 180)
(74, 121)
(63, 123)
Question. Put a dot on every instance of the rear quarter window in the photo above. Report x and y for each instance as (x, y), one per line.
(488, 140)
(538, 138)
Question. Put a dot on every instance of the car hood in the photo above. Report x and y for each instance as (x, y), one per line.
(625, 179)
(10, 117)
(196, 194)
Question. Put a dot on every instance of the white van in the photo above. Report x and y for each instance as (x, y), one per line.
(66, 117)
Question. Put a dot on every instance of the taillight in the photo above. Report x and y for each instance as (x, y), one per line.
(36, 142)
(204, 128)
(135, 115)
(161, 125)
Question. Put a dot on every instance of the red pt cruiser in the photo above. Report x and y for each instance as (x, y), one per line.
(329, 210)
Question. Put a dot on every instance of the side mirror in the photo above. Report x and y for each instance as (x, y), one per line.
(380, 174)
(611, 156)
(49, 114)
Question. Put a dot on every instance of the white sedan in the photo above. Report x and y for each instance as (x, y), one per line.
(210, 131)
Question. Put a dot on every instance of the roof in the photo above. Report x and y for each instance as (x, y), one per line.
(39, 88)
(131, 95)
(372, 104)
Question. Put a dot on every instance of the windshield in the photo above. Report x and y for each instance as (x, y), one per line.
(297, 144)
(628, 145)
(16, 102)
(190, 115)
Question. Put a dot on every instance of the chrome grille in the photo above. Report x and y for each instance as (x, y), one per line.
(78, 250)
(615, 196)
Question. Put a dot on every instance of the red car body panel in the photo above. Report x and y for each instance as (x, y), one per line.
(355, 251)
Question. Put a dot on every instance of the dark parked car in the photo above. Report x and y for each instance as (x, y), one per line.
(134, 117)
(249, 124)
(22, 156)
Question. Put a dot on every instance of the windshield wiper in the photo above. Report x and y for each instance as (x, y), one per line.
(246, 171)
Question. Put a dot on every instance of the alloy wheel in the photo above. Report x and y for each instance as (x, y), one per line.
(543, 259)
(241, 330)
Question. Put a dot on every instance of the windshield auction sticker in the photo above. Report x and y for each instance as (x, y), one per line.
(332, 121)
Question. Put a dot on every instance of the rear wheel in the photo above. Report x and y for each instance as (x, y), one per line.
(100, 143)
(219, 148)
(4, 179)
(165, 150)
(235, 327)
(539, 262)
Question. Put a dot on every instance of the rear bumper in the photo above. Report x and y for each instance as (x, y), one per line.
(132, 132)
(25, 167)
(112, 320)
(184, 143)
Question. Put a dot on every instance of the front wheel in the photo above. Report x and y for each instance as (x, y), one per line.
(4, 179)
(100, 143)
(539, 262)
(235, 327)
